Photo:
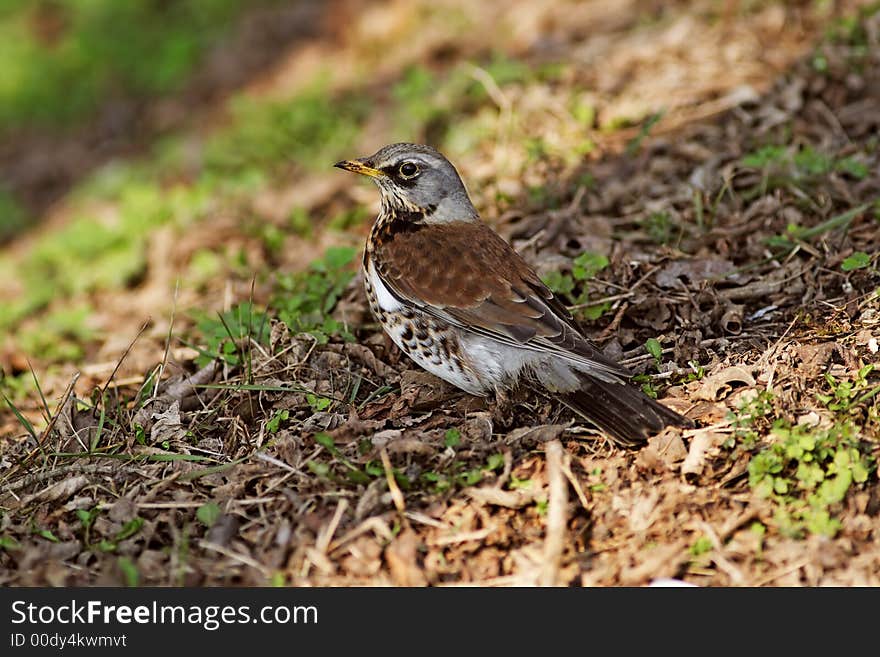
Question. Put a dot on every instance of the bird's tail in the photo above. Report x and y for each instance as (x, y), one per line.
(622, 410)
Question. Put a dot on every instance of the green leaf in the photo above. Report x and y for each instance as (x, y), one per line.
(495, 462)
(470, 477)
(857, 260)
(326, 441)
(8, 543)
(129, 529)
(86, 518)
(129, 571)
(318, 468)
(587, 265)
(701, 546)
(337, 257)
(208, 513)
(274, 423)
(517, 484)
(48, 535)
(317, 403)
(764, 156)
(855, 168)
(452, 438)
(592, 313)
(358, 477)
(559, 283)
(653, 347)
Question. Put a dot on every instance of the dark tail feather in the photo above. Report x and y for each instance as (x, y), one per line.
(623, 411)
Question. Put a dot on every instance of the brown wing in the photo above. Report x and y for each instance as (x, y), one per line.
(467, 274)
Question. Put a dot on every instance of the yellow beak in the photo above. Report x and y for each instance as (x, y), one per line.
(356, 166)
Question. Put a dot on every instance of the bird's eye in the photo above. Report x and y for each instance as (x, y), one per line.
(408, 170)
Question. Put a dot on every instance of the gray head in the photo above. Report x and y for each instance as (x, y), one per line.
(417, 179)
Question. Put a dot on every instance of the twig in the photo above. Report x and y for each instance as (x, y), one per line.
(86, 468)
(566, 469)
(276, 462)
(167, 339)
(463, 537)
(422, 519)
(327, 532)
(376, 524)
(67, 392)
(235, 556)
(393, 488)
(557, 515)
(765, 357)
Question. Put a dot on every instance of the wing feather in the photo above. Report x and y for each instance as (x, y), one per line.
(468, 275)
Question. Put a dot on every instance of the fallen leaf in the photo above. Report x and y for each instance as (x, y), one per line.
(60, 491)
(694, 271)
(703, 440)
(401, 556)
(167, 425)
(718, 385)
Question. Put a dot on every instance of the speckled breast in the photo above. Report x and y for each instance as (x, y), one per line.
(431, 343)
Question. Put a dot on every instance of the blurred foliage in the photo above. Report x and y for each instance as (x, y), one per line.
(62, 58)
(310, 129)
(12, 217)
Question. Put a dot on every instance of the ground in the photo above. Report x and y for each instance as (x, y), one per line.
(197, 395)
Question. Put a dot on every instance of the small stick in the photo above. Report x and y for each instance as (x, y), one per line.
(554, 541)
(235, 556)
(393, 488)
(566, 469)
(326, 536)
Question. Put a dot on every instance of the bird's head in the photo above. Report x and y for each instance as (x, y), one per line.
(416, 180)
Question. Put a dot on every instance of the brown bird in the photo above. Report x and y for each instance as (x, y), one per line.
(459, 301)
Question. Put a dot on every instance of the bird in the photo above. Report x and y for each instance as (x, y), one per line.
(457, 299)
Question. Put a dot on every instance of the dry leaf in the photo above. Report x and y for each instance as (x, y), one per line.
(703, 440)
(718, 385)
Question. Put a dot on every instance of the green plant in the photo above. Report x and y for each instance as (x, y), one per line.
(304, 300)
(785, 167)
(129, 570)
(858, 260)
(807, 472)
(644, 131)
(572, 286)
(128, 530)
(748, 418)
(312, 128)
(208, 513)
(701, 546)
(62, 59)
(318, 403)
(452, 438)
(653, 347)
(354, 474)
(275, 421)
(225, 335)
(847, 395)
